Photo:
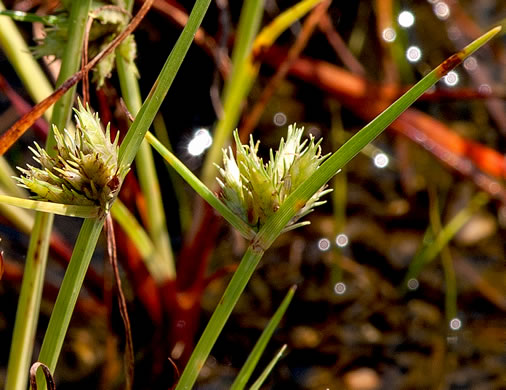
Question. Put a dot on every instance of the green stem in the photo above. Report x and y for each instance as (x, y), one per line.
(146, 171)
(71, 62)
(220, 316)
(183, 202)
(27, 313)
(236, 87)
(36, 84)
(69, 291)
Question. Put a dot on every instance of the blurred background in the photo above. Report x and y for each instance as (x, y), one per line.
(401, 274)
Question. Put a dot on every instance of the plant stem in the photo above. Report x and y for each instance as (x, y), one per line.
(146, 171)
(71, 62)
(24, 331)
(220, 316)
(236, 87)
(69, 291)
(183, 202)
(27, 313)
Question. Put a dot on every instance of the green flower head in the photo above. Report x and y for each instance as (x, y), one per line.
(254, 190)
(85, 170)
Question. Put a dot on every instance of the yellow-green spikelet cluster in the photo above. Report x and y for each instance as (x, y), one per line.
(254, 190)
(85, 169)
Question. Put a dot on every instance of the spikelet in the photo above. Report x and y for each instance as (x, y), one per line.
(85, 169)
(255, 191)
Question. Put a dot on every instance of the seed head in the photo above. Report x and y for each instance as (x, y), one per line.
(85, 169)
(254, 190)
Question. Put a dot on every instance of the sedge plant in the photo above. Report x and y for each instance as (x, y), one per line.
(262, 200)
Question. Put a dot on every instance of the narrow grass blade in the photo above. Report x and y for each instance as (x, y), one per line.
(201, 188)
(429, 251)
(247, 266)
(263, 376)
(27, 312)
(68, 293)
(355, 144)
(50, 207)
(257, 351)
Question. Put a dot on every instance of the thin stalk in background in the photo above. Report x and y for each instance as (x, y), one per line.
(146, 172)
(254, 356)
(429, 252)
(91, 228)
(36, 260)
(446, 258)
(297, 199)
(236, 87)
(145, 166)
(183, 202)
